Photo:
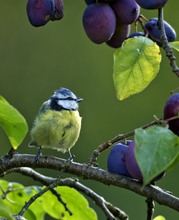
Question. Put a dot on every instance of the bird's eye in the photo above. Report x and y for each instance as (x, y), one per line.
(70, 98)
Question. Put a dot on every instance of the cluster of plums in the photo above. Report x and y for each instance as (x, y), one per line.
(121, 159)
(106, 21)
(42, 11)
(109, 21)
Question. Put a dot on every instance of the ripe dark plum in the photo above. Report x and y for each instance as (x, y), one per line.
(99, 22)
(151, 4)
(88, 2)
(116, 159)
(154, 31)
(121, 33)
(126, 11)
(131, 163)
(58, 11)
(136, 34)
(133, 167)
(40, 11)
(171, 109)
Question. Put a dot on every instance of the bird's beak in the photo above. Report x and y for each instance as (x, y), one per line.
(79, 99)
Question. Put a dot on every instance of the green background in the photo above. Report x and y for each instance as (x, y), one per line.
(36, 61)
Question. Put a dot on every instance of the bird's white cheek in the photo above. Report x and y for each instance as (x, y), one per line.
(68, 104)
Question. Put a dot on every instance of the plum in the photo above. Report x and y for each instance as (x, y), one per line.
(126, 11)
(116, 159)
(40, 11)
(154, 31)
(171, 109)
(99, 22)
(131, 163)
(121, 33)
(88, 2)
(133, 167)
(151, 4)
(58, 11)
(136, 34)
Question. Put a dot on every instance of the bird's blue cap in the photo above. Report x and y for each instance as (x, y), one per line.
(63, 94)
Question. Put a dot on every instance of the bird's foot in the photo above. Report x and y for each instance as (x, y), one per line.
(38, 155)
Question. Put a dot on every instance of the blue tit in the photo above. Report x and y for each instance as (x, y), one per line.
(58, 124)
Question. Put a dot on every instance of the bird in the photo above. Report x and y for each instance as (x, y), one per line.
(57, 125)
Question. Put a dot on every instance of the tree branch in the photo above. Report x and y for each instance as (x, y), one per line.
(110, 210)
(87, 172)
(165, 45)
(120, 137)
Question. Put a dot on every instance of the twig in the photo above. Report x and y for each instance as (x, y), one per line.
(37, 176)
(109, 209)
(104, 146)
(114, 140)
(150, 208)
(36, 196)
(165, 45)
(87, 172)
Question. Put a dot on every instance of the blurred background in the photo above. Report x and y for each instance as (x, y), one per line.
(36, 61)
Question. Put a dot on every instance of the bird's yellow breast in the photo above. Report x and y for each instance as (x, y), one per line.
(57, 129)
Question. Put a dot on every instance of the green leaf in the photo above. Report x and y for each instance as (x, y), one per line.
(76, 203)
(18, 195)
(175, 162)
(16, 198)
(13, 123)
(156, 149)
(136, 64)
(175, 45)
(159, 217)
(5, 212)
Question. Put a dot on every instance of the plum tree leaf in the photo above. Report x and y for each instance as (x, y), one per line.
(16, 198)
(76, 203)
(159, 217)
(13, 123)
(156, 149)
(136, 64)
(175, 45)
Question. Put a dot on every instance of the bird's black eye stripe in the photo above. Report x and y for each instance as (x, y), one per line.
(69, 98)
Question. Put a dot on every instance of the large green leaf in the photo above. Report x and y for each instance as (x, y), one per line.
(13, 123)
(156, 149)
(18, 195)
(159, 217)
(175, 45)
(16, 198)
(76, 203)
(136, 64)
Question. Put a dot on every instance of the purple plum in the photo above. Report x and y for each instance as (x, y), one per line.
(131, 163)
(136, 34)
(116, 159)
(126, 11)
(58, 11)
(151, 4)
(40, 11)
(171, 109)
(121, 33)
(133, 167)
(154, 31)
(99, 22)
(88, 2)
